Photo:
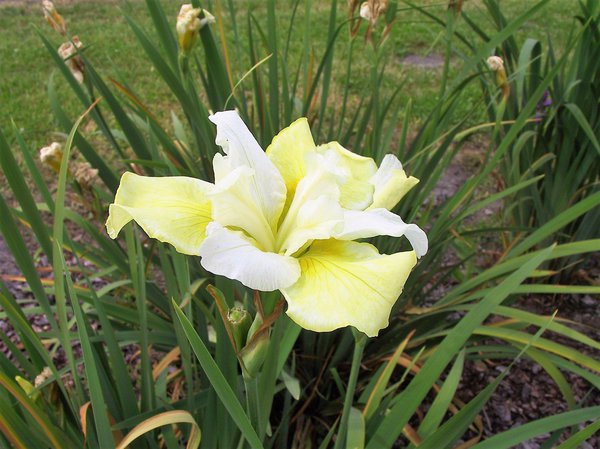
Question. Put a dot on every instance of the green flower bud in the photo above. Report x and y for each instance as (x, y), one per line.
(254, 355)
(28, 388)
(255, 352)
(239, 321)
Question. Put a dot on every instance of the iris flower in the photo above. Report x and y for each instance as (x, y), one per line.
(286, 219)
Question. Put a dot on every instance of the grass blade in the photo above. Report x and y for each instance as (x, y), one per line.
(389, 430)
(513, 437)
(218, 382)
(163, 419)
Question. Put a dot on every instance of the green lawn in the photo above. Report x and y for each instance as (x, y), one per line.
(25, 66)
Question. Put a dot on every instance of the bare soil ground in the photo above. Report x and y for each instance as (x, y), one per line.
(528, 392)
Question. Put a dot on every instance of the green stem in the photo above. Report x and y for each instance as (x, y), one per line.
(360, 340)
(188, 83)
(448, 54)
(253, 403)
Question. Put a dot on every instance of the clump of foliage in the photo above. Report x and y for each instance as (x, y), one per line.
(560, 142)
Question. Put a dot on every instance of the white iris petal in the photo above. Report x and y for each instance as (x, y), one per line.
(374, 222)
(236, 256)
(242, 150)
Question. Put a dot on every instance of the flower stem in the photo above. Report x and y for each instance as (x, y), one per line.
(253, 403)
(360, 341)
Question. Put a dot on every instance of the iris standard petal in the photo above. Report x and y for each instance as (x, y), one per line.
(315, 212)
(266, 187)
(235, 255)
(347, 284)
(353, 173)
(316, 220)
(173, 209)
(234, 204)
(374, 222)
(288, 150)
(391, 183)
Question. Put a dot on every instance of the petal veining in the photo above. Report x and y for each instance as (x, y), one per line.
(235, 255)
(347, 284)
(172, 209)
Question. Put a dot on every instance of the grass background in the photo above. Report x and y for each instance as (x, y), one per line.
(25, 65)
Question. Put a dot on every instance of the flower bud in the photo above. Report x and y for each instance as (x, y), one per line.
(53, 17)
(239, 322)
(255, 352)
(51, 156)
(254, 355)
(84, 174)
(189, 24)
(29, 389)
(365, 11)
(496, 64)
(372, 9)
(42, 377)
(68, 51)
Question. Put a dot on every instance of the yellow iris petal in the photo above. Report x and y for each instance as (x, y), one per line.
(314, 213)
(173, 209)
(287, 152)
(346, 283)
(353, 172)
(391, 183)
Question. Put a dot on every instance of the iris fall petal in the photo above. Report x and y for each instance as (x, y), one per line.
(234, 255)
(173, 209)
(347, 284)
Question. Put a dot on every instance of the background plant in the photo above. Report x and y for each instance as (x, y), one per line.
(151, 297)
(561, 140)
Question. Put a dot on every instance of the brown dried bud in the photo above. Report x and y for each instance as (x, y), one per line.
(53, 18)
(496, 64)
(371, 10)
(68, 51)
(84, 174)
(51, 156)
